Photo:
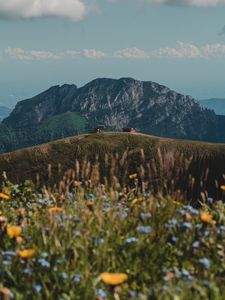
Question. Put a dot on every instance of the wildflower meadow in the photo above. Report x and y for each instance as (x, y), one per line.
(95, 242)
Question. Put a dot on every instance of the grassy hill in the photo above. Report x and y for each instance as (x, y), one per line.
(161, 164)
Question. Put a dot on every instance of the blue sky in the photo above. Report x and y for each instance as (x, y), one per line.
(178, 43)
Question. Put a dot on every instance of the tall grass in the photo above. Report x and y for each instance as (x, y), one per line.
(79, 229)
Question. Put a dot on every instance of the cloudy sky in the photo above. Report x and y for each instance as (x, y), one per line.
(178, 43)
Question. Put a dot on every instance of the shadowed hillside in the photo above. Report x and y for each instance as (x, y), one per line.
(161, 164)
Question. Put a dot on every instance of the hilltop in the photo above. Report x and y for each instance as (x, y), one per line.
(67, 110)
(193, 167)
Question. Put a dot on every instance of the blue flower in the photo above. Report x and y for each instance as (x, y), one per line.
(27, 271)
(174, 239)
(186, 273)
(191, 209)
(206, 262)
(173, 222)
(76, 277)
(176, 272)
(6, 263)
(196, 244)
(145, 216)
(9, 254)
(144, 229)
(98, 241)
(44, 263)
(60, 261)
(44, 254)
(64, 275)
(121, 215)
(37, 288)
(206, 233)
(101, 294)
(210, 200)
(187, 225)
(91, 197)
(43, 201)
(198, 226)
(131, 240)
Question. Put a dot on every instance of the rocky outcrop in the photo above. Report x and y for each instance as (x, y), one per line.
(126, 102)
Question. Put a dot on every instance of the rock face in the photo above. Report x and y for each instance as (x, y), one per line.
(146, 105)
(33, 111)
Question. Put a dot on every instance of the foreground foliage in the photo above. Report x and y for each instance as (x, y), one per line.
(92, 243)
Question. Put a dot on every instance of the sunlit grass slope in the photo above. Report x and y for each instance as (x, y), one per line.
(164, 164)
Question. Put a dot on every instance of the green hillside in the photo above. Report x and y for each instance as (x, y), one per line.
(56, 127)
(164, 164)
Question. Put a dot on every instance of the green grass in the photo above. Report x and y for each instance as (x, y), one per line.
(166, 165)
(165, 247)
(64, 124)
(56, 127)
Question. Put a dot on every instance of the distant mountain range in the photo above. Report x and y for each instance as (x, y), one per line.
(67, 110)
(4, 112)
(218, 105)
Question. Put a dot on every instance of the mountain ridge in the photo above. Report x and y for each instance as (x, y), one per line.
(216, 104)
(115, 103)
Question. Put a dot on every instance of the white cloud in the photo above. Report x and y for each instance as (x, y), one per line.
(70, 53)
(75, 10)
(187, 50)
(180, 51)
(198, 3)
(28, 55)
(21, 54)
(135, 53)
(92, 53)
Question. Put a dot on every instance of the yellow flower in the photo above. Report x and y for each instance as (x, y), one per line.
(206, 217)
(133, 176)
(14, 231)
(19, 240)
(135, 201)
(55, 210)
(27, 253)
(113, 278)
(4, 196)
(222, 187)
(170, 275)
(5, 292)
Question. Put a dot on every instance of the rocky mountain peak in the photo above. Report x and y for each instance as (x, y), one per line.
(150, 107)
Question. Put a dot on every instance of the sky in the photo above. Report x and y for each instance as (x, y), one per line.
(177, 43)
